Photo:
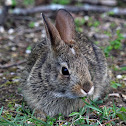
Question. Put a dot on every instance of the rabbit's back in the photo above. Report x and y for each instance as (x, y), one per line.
(39, 49)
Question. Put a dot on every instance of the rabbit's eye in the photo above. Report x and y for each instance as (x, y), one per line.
(65, 71)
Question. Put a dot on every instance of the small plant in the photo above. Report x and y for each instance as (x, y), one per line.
(31, 24)
(120, 68)
(113, 25)
(115, 44)
(110, 13)
(79, 22)
(96, 42)
(92, 23)
(62, 2)
(122, 114)
(115, 85)
(28, 50)
(28, 2)
(96, 23)
(14, 3)
(78, 3)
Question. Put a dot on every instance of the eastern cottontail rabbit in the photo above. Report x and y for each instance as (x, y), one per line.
(62, 68)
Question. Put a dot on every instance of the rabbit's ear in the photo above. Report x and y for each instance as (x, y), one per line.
(51, 32)
(65, 26)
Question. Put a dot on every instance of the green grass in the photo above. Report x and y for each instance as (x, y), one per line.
(79, 22)
(119, 69)
(100, 115)
(24, 2)
(105, 115)
(28, 2)
(115, 84)
(114, 44)
(31, 24)
(62, 2)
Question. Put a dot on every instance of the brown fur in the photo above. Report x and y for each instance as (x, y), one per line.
(44, 86)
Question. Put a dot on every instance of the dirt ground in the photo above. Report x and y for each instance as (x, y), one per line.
(19, 35)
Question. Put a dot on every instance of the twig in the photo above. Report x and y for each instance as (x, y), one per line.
(101, 2)
(114, 19)
(115, 94)
(84, 8)
(26, 31)
(85, 119)
(11, 65)
(103, 36)
(16, 112)
(109, 121)
(60, 121)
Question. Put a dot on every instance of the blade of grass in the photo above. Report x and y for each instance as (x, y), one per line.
(92, 107)
(1, 110)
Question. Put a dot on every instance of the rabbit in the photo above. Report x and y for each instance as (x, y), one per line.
(61, 69)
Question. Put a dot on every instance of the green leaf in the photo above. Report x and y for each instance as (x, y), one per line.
(109, 47)
(111, 13)
(123, 109)
(96, 23)
(32, 24)
(92, 107)
(1, 110)
(82, 110)
(74, 113)
(29, 48)
(122, 116)
(79, 29)
(96, 42)
(62, 2)
(123, 68)
(115, 85)
(14, 3)
(28, 2)
(79, 21)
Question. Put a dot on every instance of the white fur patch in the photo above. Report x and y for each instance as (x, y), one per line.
(73, 51)
(91, 91)
(83, 92)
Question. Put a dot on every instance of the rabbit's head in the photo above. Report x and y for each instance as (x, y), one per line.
(66, 68)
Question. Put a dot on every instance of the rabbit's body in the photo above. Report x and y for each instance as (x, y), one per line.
(58, 73)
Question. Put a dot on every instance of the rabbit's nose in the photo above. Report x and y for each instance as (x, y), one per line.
(88, 87)
(91, 91)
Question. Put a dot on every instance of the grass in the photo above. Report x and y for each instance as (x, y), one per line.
(93, 113)
(120, 68)
(31, 24)
(114, 44)
(80, 22)
(62, 2)
(105, 116)
(25, 2)
(115, 85)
